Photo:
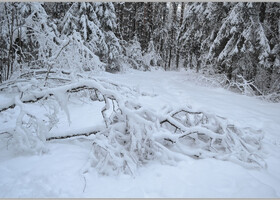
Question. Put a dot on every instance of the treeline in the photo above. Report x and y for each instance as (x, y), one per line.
(228, 38)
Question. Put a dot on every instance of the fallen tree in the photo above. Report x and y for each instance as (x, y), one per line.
(134, 135)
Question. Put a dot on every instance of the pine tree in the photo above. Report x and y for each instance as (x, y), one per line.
(160, 28)
(269, 17)
(106, 15)
(191, 33)
(241, 46)
(82, 26)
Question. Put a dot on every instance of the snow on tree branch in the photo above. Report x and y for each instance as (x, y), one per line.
(133, 135)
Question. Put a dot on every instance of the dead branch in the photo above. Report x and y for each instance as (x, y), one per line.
(71, 136)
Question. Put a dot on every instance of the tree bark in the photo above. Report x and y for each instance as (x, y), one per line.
(178, 45)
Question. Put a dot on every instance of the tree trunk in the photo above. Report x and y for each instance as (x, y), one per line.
(182, 13)
(134, 20)
(178, 45)
(10, 51)
(177, 59)
(172, 46)
(197, 64)
(169, 61)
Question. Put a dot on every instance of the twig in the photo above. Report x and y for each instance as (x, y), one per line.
(70, 136)
(50, 65)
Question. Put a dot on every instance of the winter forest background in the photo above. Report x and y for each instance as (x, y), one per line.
(162, 99)
(217, 38)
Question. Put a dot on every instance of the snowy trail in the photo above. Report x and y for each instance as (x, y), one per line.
(58, 173)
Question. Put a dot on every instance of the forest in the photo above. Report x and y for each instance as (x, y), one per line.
(140, 99)
(231, 38)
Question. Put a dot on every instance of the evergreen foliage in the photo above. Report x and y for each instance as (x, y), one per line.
(235, 39)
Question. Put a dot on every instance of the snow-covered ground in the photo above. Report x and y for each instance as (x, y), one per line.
(58, 173)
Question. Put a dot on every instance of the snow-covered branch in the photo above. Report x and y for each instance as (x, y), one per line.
(134, 135)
